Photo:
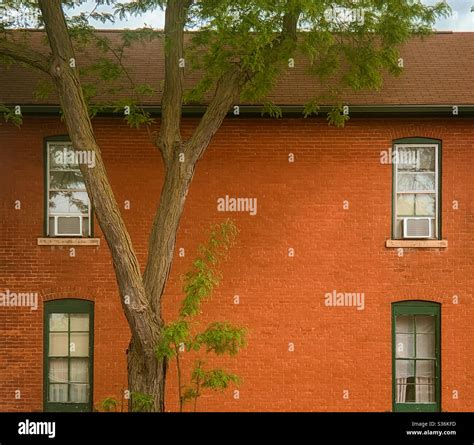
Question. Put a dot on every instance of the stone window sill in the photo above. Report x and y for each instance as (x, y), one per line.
(431, 243)
(68, 241)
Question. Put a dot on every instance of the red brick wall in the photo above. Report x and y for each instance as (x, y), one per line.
(300, 206)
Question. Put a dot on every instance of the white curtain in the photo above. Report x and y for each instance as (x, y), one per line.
(401, 389)
(58, 380)
(425, 390)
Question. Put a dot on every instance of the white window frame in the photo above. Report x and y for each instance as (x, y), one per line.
(50, 214)
(414, 192)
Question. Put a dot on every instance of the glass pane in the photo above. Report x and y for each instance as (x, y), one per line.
(424, 181)
(79, 322)
(425, 345)
(426, 159)
(406, 159)
(405, 205)
(405, 368)
(66, 180)
(58, 393)
(58, 370)
(79, 393)
(405, 391)
(79, 345)
(68, 202)
(425, 324)
(425, 390)
(405, 346)
(58, 322)
(61, 155)
(425, 368)
(425, 205)
(415, 182)
(58, 345)
(80, 370)
(405, 182)
(404, 324)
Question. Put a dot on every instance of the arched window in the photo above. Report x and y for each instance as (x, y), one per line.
(68, 355)
(416, 356)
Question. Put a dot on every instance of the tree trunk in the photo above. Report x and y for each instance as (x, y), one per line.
(146, 375)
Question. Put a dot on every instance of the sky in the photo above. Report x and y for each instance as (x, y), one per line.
(462, 19)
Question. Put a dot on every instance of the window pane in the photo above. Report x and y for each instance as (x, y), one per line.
(68, 202)
(79, 345)
(79, 322)
(58, 393)
(80, 370)
(66, 180)
(415, 182)
(425, 390)
(425, 368)
(406, 159)
(405, 391)
(404, 324)
(425, 345)
(58, 372)
(425, 205)
(58, 322)
(426, 159)
(425, 324)
(405, 368)
(406, 205)
(79, 393)
(61, 155)
(58, 345)
(405, 346)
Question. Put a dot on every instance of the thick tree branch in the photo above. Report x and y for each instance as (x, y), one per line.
(21, 53)
(143, 322)
(178, 175)
(170, 135)
(227, 94)
(178, 178)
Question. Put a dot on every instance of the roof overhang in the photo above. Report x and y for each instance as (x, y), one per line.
(289, 110)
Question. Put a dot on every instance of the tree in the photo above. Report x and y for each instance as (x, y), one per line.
(218, 337)
(242, 47)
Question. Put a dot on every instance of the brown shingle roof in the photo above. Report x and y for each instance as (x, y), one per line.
(438, 70)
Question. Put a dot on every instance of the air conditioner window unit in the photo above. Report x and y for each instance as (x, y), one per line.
(68, 225)
(419, 227)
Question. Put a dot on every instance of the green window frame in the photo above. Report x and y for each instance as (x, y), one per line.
(65, 375)
(416, 352)
(49, 217)
(397, 217)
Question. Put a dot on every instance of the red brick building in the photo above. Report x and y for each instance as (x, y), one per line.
(353, 272)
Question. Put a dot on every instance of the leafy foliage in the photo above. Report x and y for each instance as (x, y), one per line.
(109, 404)
(219, 337)
(10, 115)
(141, 402)
(205, 276)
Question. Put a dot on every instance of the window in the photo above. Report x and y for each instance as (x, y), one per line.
(68, 353)
(68, 210)
(416, 184)
(416, 356)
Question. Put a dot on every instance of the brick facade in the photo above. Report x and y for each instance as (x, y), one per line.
(300, 206)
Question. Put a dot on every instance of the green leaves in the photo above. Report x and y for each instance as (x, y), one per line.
(142, 402)
(219, 337)
(222, 338)
(109, 404)
(204, 276)
(173, 335)
(10, 115)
